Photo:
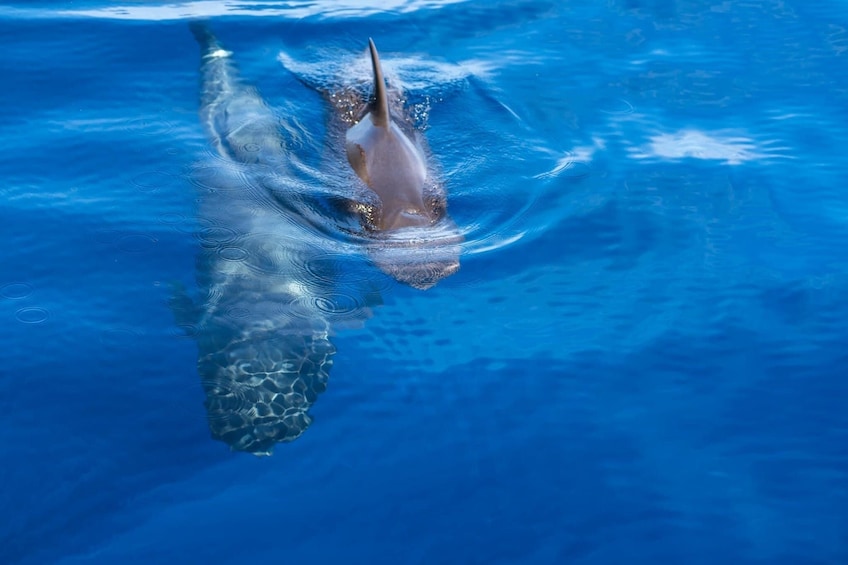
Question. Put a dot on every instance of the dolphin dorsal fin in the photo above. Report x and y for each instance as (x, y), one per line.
(380, 106)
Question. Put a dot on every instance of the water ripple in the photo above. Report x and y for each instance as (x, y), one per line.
(32, 315)
(16, 290)
(260, 8)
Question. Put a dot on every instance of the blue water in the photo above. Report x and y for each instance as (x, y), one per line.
(642, 358)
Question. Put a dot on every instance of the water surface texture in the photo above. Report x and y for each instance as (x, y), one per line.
(642, 358)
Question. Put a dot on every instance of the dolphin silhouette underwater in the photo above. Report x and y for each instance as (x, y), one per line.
(263, 327)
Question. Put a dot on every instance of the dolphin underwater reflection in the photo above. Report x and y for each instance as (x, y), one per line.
(268, 295)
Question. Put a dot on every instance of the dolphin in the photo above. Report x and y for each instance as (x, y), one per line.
(388, 161)
(415, 241)
(272, 288)
(263, 336)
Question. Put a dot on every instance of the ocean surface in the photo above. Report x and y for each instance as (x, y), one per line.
(643, 357)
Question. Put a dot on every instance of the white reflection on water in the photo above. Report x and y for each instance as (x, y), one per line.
(574, 163)
(411, 73)
(292, 9)
(694, 144)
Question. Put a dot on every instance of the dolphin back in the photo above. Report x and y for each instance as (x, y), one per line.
(241, 126)
(389, 160)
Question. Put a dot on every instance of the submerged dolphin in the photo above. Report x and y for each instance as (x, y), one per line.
(267, 312)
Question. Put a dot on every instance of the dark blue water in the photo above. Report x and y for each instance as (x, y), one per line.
(642, 358)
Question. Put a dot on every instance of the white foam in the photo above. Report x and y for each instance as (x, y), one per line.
(581, 155)
(410, 73)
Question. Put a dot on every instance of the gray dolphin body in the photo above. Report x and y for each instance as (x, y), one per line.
(388, 161)
(416, 242)
(265, 317)
(413, 238)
